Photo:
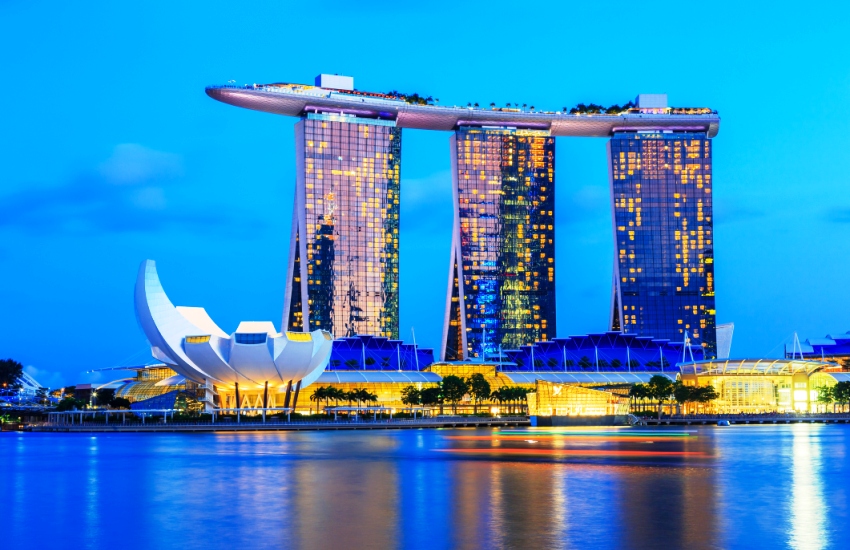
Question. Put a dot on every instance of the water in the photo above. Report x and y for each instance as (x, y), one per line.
(738, 487)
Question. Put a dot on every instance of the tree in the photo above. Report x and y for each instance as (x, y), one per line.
(584, 362)
(639, 392)
(479, 389)
(364, 396)
(616, 363)
(683, 394)
(660, 388)
(350, 396)
(336, 394)
(705, 394)
(70, 404)
(119, 403)
(411, 396)
(319, 394)
(104, 397)
(511, 395)
(432, 396)
(454, 388)
(841, 393)
(826, 396)
(10, 374)
(517, 395)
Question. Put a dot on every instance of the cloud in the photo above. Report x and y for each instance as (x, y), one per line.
(736, 210)
(132, 164)
(128, 192)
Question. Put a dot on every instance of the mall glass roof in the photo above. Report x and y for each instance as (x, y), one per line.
(360, 377)
(764, 367)
(585, 378)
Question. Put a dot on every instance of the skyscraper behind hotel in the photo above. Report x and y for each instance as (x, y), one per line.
(502, 267)
(343, 274)
(661, 185)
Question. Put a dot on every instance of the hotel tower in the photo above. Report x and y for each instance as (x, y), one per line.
(661, 188)
(501, 291)
(343, 256)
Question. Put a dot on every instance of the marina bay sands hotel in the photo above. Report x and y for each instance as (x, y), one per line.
(343, 258)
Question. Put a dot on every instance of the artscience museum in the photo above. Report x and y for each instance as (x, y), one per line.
(256, 366)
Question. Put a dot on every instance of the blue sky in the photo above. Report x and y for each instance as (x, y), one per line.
(112, 153)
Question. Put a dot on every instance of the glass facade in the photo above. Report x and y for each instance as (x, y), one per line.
(661, 185)
(373, 353)
(502, 283)
(344, 251)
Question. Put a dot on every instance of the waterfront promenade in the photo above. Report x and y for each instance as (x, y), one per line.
(768, 418)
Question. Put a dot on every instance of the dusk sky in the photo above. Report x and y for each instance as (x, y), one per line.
(112, 154)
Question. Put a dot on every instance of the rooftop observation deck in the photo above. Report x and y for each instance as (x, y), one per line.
(298, 99)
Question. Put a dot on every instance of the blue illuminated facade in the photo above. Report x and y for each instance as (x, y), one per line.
(377, 353)
(661, 188)
(832, 347)
(604, 352)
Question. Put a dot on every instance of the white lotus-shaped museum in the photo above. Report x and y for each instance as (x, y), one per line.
(188, 341)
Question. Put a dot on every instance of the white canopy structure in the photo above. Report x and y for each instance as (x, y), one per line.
(256, 355)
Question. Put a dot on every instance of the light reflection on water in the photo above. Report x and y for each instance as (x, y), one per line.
(737, 487)
(808, 521)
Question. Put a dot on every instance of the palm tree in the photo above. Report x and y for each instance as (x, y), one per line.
(336, 394)
(318, 394)
(479, 388)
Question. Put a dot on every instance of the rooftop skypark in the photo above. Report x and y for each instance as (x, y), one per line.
(414, 110)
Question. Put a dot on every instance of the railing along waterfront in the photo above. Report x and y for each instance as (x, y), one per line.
(744, 418)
